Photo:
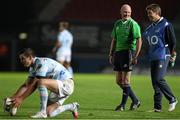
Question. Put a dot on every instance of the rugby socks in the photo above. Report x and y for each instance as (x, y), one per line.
(43, 97)
(132, 95)
(125, 95)
(61, 109)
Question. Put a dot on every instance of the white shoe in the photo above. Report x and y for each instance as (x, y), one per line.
(75, 110)
(172, 106)
(39, 115)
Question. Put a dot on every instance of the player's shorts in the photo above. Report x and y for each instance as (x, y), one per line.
(66, 88)
(122, 60)
(63, 56)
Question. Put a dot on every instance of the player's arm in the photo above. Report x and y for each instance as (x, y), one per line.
(30, 89)
(112, 47)
(57, 45)
(22, 88)
(170, 38)
(138, 47)
(137, 35)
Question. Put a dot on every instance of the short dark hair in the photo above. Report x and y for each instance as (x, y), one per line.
(64, 24)
(27, 52)
(155, 8)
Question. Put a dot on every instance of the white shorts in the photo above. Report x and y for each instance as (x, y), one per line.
(66, 88)
(63, 56)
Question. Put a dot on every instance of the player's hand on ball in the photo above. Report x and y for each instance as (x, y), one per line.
(17, 101)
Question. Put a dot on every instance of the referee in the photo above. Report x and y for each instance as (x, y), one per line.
(124, 50)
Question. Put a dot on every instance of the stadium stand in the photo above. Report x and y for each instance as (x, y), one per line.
(106, 10)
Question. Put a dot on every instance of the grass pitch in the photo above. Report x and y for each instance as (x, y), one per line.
(98, 95)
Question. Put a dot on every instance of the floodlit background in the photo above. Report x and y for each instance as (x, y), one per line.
(34, 23)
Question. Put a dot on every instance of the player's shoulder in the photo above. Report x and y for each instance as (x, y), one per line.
(117, 22)
(66, 33)
(164, 19)
(166, 22)
(37, 60)
(134, 22)
(41, 60)
(38, 63)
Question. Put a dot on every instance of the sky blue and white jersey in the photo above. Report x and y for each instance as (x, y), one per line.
(158, 36)
(66, 40)
(48, 68)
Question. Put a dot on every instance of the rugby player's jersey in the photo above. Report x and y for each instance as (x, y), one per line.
(48, 68)
(66, 40)
(159, 35)
(126, 33)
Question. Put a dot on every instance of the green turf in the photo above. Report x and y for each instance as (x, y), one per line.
(97, 95)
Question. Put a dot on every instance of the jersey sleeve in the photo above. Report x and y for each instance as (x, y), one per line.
(113, 34)
(136, 31)
(170, 37)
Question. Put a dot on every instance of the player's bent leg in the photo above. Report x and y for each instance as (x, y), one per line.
(39, 115)
(65, 90)
(75, 110)
(49, 84)
(43, 86)
(73, 107)
(51, 108)
(57, 108)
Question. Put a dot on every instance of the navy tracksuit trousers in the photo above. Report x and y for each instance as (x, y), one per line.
(158, 71)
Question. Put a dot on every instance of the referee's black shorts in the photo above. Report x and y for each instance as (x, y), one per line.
(122, 60)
